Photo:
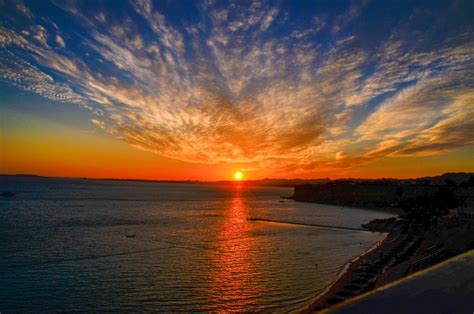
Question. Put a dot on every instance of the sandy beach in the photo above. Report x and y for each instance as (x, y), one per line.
(407, 248)
(348, 272)
(343, 277)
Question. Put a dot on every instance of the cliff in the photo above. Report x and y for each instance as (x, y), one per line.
(394, 194)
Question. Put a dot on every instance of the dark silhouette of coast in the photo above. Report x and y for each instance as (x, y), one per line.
(436, 222)
(271, 182)
(448, 190)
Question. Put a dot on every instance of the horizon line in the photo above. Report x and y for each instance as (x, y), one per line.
(225, 181)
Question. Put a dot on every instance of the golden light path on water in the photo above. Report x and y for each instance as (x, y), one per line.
(234, 260)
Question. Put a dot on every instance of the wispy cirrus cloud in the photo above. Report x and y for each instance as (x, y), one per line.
(246, 83)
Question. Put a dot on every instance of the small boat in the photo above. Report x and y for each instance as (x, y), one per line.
(7, 194)
(130, 235)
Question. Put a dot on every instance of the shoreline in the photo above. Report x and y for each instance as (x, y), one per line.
(410, 245)
(343, 276)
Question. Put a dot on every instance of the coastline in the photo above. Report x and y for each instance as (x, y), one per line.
(344, 275)
(410, 245)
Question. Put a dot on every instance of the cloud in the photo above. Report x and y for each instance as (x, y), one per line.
(269, 18)
(454, 131)
(28, 77)
(60, 41)
(20, 6)
(319, 22)
(431, 117)
(348, 16)
(341, 155)
(40, 34)
(243, 84)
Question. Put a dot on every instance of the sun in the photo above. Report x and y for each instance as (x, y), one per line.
(238, 175)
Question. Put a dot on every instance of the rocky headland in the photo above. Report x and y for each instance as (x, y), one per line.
(435, 222)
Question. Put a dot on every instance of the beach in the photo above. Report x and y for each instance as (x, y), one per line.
(343, 277)
(407, 248)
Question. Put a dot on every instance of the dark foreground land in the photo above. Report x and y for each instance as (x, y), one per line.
(436, 222)
(409, 247)
(447, 287)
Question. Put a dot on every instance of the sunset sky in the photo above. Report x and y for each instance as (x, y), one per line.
(199, 90)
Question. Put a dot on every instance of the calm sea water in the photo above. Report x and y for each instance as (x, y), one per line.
(64, 246)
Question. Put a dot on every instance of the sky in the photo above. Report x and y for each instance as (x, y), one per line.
(199, 89)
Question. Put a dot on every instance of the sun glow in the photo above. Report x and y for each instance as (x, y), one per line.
(238, 175)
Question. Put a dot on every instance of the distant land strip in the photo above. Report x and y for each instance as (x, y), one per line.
(309, 225)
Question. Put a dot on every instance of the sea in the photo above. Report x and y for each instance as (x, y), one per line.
(106, 245)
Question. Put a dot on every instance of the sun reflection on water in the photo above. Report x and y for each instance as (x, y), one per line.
(232, 285)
